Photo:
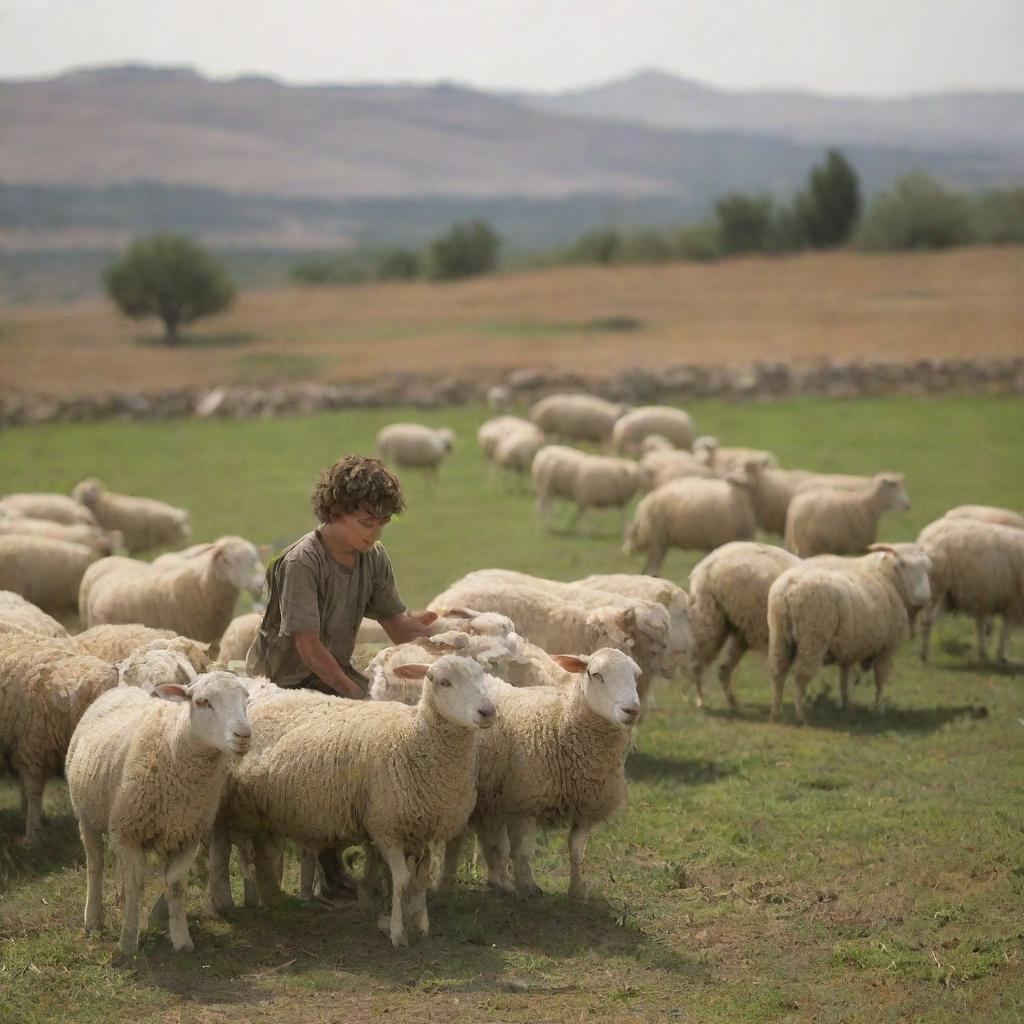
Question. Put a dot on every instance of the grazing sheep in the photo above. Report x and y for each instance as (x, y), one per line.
(978, 570)
(729, 602)
(665, 466)
(328, 772)
(858, 613)
(150, 773)
(143, 522)
(414, 446)
(101, 541)
(44, 571)
(694, 514)
(238, 637)
(656, 443)
(630, 430)
(499, 398)
(835, 481)
(590, 481)
(554, 755)
(724, 461)
(515, 452)
(493, 430)
(194, 595)
(772, 490)
(112, 643)
(56, 507)
(987, 514)
(842, 522)
(576, 417)
(20, 616)
(45, 688)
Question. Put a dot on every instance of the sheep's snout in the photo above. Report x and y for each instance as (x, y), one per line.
(241, 735)
(485, 715)
(629, 713)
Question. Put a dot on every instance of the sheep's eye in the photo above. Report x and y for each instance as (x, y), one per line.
(444, 682)
(202, 702)
(597, 676)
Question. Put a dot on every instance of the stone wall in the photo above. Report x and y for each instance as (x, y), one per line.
(760, 382)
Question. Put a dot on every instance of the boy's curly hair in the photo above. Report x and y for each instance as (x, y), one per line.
(357, 483)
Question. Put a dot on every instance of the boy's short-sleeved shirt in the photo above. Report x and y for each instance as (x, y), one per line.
(309, 591)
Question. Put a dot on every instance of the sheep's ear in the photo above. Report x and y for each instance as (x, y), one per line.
(434, 646)
(887, 548)
(460, 613)
(174, 692)
(410, 671)
(426, 618)
(570, 662)
(264, 549)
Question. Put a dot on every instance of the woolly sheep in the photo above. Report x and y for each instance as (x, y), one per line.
(729, 601)
(724, 461)
(238, 637)
(143, 522)
(855, 614)
(630, 430)
(45, 688)
(194, 595)
(841, 522)
(835, 481)
(44, 571)
(101, 541)
(665, 466)
(414, 446)
(20, 616)
(977, 569)
(553, 755)
(499, 398)
(493, 430)
(150, 774)
(693, 514)
(771, 491)
(329, 772)
(57, 507)
(656, 443)
(576, 417)
(987, 514)
(515, 452)
(113, 643)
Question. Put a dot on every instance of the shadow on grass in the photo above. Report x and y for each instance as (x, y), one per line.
(643, 766)
(972, 667)
(58, 847)
(224, 339)
(475, 942)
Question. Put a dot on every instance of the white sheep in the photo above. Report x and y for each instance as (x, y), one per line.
(692, 513)
(987, 514)
(499, 398)
(831, 520)
(590, 481)
(515, 451)
(631, 429)
(729, 602)
(20, 616)
(238, 637)
(44, 571)
(978, 570)
(772, 490)
(101, 541)
(144, 523)
(576, 417)
(493, 430)
(554, 755)
(192, 594)
(150, 774)
(665, 465)
(835, 481)
(414, 446)
(40, 505)
(858, 613)
(114, 642)
(730, 460)
(328, 772)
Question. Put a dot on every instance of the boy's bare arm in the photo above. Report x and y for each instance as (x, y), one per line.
(320, 661)
(405, 627)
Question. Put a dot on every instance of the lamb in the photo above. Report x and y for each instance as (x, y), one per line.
(591, 481)
(330, 772)
(493, 430)
(987, 514)
(44, 571)
(56, 507)
(20, 616)
(693, 514)
(414, 446)
(667, 465)
(841, 522)
(193, 595)
(143, 522)
(150, 773)
(630, 430)
(724, 461)
(729, 602)
(553, 755)
(977, 569)
(576, 417)
(101, 541)
(858, 613)
(113, 643)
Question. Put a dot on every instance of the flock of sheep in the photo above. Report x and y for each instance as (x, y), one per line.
(486, 728)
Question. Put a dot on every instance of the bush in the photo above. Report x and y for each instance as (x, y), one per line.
(827, 211)
(916, 213)
(600, 246)
(998, 216)
(644, 246)
(171, 277)
(696, 242)
(396, 265)
(469, 248)
(744, 223)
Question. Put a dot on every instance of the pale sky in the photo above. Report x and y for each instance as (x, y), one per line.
(862, 47)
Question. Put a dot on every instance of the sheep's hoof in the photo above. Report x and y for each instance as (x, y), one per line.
(501, 888)
(185, 947)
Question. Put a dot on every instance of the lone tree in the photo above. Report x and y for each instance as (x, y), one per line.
(828, 210)
(469, 248)
(171, 277)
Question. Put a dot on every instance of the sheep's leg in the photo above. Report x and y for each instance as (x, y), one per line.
(522, 834)
(250, 890)
(655, 558)
(265, 868)
(928, 616)
(577, 850)
(882, 669)
(32, 795)
(452, 859)
(93, 843)
(734, 652)
(175, 872)
(577, 518)
(133, 877)
(307, 873)
(218, 875)
(417, 897)
(1004, 638)
(979, 625)
(400, 879)
(844, 686)
(494, 842)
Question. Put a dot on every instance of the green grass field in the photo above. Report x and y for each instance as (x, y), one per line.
(865, 868)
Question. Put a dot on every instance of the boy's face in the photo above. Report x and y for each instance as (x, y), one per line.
(359, 530)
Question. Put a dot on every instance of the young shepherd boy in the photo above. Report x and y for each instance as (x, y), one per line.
(322, 586)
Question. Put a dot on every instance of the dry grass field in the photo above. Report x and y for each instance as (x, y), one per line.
(803, 308)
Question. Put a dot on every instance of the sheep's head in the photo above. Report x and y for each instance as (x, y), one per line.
(608, 681)
(705, 447)
(238, 563)
(911, 565)
(611, 627)
(447, 436)
(891, 490)
(456, 687)
(151, 667)
(656, 443)
(87, 491)
(217, 710)
(196, 653)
